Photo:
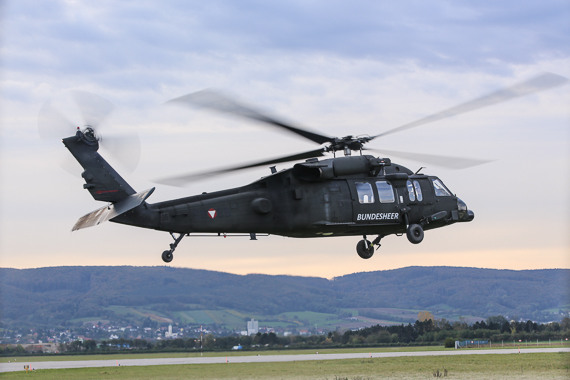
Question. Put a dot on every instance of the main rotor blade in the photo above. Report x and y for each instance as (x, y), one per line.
(542, 82)
(182, 180)
(449, 162)
(222, 103)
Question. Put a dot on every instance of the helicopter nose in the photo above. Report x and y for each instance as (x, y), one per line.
(465, 215)
(469, 217)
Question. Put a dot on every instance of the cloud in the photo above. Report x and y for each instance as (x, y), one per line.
(92, 39)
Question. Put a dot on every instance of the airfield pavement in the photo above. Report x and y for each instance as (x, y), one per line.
(19, 366)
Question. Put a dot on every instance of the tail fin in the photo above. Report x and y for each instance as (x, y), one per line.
(101, 180)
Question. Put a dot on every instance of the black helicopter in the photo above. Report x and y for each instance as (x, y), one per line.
(351, 195)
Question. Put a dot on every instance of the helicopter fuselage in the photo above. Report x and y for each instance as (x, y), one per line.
(295, 203)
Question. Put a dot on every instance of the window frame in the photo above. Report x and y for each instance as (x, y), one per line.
(411, 192)
(418, 189)
(361, 192)
(384, 191)
(439, 188)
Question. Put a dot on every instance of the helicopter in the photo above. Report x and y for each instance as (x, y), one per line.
(343, 195)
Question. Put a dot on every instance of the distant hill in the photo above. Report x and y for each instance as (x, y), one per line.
(62, 296)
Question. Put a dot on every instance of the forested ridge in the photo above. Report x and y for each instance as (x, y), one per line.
(57, 296)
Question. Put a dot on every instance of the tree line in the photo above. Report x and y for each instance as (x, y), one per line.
(426, 332)
(431, 331)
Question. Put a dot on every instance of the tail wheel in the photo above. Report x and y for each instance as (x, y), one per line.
(365, 249)
(167, 256)
(415, 233)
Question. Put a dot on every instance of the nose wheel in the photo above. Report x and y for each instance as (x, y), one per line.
(168, 255)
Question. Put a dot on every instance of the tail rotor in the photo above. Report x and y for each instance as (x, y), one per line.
(63, 116)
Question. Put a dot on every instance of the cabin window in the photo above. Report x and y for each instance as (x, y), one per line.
(414, 191)
(440, 189)
(385, 192)
(365, 194)
(411, 193)
(418, 189)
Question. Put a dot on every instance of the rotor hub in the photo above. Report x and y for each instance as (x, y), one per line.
(88, 135)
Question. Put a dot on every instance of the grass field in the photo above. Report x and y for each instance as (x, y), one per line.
(515, 366)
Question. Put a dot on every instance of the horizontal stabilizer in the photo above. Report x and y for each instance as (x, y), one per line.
(109, 212)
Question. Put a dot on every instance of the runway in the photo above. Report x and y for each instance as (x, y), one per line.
(19, 366)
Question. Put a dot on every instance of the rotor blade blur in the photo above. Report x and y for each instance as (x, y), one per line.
(94, 109)
(52, 124)
(540, 83)
(449, 162)
(125, 149)
(218, 102)
(184, 179)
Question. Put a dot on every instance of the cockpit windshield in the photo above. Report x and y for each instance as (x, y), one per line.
(440, 189)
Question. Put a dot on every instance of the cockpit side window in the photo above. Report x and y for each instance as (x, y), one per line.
(385, 192)
(411, 193)
(365, 193)
(418, 191)
(440, 189)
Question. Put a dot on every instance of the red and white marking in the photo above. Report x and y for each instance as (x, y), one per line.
(212, 213)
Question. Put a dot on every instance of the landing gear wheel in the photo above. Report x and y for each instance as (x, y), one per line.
(365, 249)
(167, 256)
(415, 233)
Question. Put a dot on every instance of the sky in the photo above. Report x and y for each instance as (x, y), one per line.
(336, 67)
